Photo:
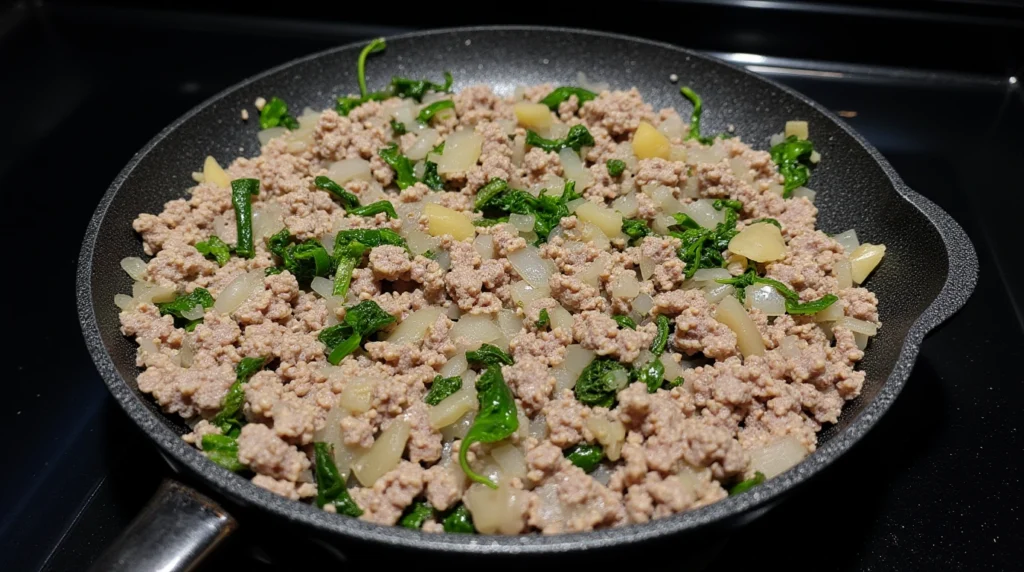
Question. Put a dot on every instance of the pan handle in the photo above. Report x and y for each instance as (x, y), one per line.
(963, 263)
(174, 532)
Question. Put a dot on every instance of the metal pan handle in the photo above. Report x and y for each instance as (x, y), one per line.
(174, 532)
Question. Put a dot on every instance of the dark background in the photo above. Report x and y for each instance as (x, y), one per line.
(936, 485)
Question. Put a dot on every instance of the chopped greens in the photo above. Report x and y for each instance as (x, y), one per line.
(490, 221)
(702, 247)
(416, 89)
(223, 450)
(625, 322)
(577, 137)
(330, 485)
(489, 355)
(397, 127)
(548, 210)
(585, 456)
(652, 374)
(404, 176)
(767, 220)
(416, 514)
(347, 199)
(360, 322)
(719, 204)
(793, 156)
(636, 229)
(375, 45)
(346, 104)
(744, 486)
(698, 110)
(660, 340)
(600, 381)
(812, 307)
(793, 304)
(428, 112)
(374, 208)
(242, 191)
(543, 319)
(560, 94)
(216, 249)
(275, 114)
(230, 419)
(184, 303)
(458, 520)
(349, 248)
(442, 388)
(615, 167)
(303, 259)
(495, 420)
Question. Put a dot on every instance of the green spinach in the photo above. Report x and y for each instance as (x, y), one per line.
(615, 167)
(585, 456)
(416, 514)
(404, 176)
(625, 322)
(636, 229)
(349, 248)
(223, 450)
(416, 89)
(428, 112)
(793, 156)
(495, 420)
(183, 303)
(543, 319)
(230, 419)
(330, 486)
(744, 486)
(547, 210)
(360, 322)
(374, 208)
(347, 199)
(242, 191)
(489, 355)
(560, 94)
(216, 249)
(397, 128)
(275, 113)
(303, 259)
(458, 520)
(577, 137)
(600, 381)
(442, 388)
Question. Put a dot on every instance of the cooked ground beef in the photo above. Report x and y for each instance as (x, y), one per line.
(718, 418)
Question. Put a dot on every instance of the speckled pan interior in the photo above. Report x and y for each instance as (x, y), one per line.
(856, 189)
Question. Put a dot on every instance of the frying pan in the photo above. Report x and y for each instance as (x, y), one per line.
(929, 271)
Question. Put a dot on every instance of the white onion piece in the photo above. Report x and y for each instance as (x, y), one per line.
(523, 293)
(518, 150)
(461, 152)
(741, 169)
(864, 259)
(152, 293)
(509, 323)
(484, 246)
(610, 434)
(538, 427)
(675, 369)
(453, 407)
(384, 455)
(563, 379)
(647, 265)
(194, 313)
(664, 198)
(124, 302)
(557, 131)
(577, 358)
(690, 189)
(843, 271)
(804, 192)
(414, 327)
(533, 269)
(662, 223)
(405, 114)
(322, 286)
(830, 314)
(444, 259)
(475, 329)
(643, 304)
(777, 457)
(357, 397)
(848, 240)
(592, 273)
(625, 286)
(672, 127)
(455, 366)
(575, 204)
(765, 298)
(187, 353)
(496, 511)
(560, 318)
(776, 139)
(273, 133)
(626, 205)
(134, 266)
(331, 433)
(714, 293)
(609, 221)
(574, 169)
(327, 241)
(857, 326)
(704, 214)
(267, 220)
(420, 242)
(425, 141)
(861, 340)
(595, 236)
(223, 229)
(238, 291)
(522, 223)
(761, 242)
(710, 274)
(345, 170)
(511, 459)
(731, 313)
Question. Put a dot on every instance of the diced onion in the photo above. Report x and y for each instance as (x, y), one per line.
(475, 328)
(509, 323)
(345, 170)
(741, 169)
(414, 327)
(595, 236)
(593, 85)
(560, 318)
(765, 298)
(331, 433)
(124, 302)
(238, 291)
(455, 366)
(643, 304)
(444, 259)
(704, 214)
(844, 273)
(864, 259)
(273, 133)
(625, 286)
(522, 223)
(592, 274)
(711, 274)
(461, 152)
(798, 128)
(848, 240)
(533, 269)
(357, 397)
(861, 340)
(664, 198)
(327, 241)
(497, 511)
(610, 434)
(322, 286)
(268, 220)
(716, 292)
(484, 246)
(830, 314)
(458, 430)
(574, 169)
(134, 266)
(674, 369)
(626, 205)
(778, 456)
(194, 313)
(420, 242)
(776, 139)
(523, 293)
(443, 220)
(809, 194)
(672, 127)
(511, 460)
(609, 221)
(761, 242)
(748, 337)
(647, 266)
(518, 150)
(453, 407)
(425, 141)
(857, 326)
(152, 293)
(384, 455)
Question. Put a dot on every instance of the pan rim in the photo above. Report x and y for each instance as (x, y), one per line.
(242, 490)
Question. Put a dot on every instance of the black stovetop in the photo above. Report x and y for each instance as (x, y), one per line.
(935, 485)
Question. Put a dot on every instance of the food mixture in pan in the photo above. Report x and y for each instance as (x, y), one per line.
(553, 310)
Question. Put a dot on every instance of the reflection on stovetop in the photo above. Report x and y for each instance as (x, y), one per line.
(923, 489)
